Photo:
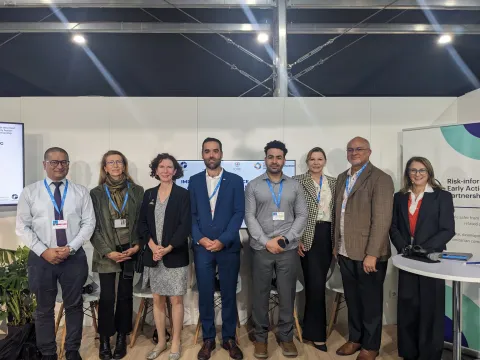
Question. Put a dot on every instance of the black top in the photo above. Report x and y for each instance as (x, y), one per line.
(176, 228)
(435, 224)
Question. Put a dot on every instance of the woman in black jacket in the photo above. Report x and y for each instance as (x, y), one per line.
(422, 215)
(164, 226)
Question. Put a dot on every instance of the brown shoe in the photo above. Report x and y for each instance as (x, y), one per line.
(233, 350)
(367, 355)
(206, 351)
(349, 348)
(288, 349)
(261, 350)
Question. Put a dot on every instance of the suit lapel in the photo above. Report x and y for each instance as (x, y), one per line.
(404, 210)
(310, 186)
(424, 208)
(204, 192)
(363, 176)
(221, 192)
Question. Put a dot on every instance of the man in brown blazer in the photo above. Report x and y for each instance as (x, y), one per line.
(364, 203)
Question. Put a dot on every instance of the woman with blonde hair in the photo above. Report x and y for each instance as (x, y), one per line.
(316, 245)
(423, 216)
(116, 201)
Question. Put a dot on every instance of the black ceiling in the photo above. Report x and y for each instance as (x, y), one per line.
(169, 65)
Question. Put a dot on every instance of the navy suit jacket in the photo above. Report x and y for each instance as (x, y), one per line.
(229, 210)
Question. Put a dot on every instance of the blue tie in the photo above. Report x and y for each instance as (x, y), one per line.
(61, 234)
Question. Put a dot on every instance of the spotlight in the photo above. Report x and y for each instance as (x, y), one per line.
(262, 38)
(79, 39)
(444, 39)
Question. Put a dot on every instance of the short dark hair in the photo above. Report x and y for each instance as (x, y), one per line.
(52, 150)
(314, 150)
(210, 139)
(275, 144)
(158, 159)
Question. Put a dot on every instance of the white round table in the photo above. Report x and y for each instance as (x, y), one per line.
(455, 271)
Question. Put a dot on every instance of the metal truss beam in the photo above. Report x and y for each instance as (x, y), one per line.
(295, 4)
(378, 4)
(195, 28)
(130, 27)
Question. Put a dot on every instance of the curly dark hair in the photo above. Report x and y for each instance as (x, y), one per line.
(158, 159)
(275, 144)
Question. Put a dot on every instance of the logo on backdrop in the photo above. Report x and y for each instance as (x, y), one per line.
(183, 164)
(257, 166)
(14, 196)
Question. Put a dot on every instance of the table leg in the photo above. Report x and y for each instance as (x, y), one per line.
(457, 320)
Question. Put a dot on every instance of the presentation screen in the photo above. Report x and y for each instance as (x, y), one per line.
(247, 169)
(12, 177)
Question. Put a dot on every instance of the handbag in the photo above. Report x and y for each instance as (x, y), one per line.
(139, 260)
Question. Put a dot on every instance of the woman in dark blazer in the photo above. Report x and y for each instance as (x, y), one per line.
(164, 227)
(316, 245)
(116, 198)
(423, 215)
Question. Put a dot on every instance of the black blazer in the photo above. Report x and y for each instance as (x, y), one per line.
(435, 224)
(176, 228)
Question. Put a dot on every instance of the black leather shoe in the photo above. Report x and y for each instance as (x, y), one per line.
(120, 347)
(73, 355)
(104, 352)
(233, 350)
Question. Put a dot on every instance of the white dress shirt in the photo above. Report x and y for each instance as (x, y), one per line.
(415, 200)
(325, 199)
(35, 213)
(211, 184)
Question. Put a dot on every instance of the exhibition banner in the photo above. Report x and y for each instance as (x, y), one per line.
(454, 152)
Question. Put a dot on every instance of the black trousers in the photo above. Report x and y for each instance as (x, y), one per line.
(42, 281)
(421, 312)
(315, 265)
(111, 318)
(364, 297)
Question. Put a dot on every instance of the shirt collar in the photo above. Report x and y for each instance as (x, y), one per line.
(265, 176)
(50, 181)
(219, 176)
(428, 189)
(349, 173)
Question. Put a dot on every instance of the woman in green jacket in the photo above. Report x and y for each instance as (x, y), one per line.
(117, 201)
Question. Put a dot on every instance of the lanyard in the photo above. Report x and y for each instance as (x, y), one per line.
(276, 199)
(359, 172)
(318, 196)
(215, 190)
(111, 201)
(53, 198)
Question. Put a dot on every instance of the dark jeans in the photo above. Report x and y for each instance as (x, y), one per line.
(315, 265)
(364, 297)
(42, 280)
(111, 318)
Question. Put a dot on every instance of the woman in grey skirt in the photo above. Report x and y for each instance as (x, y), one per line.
(164, 226)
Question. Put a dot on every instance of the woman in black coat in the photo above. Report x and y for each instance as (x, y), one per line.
(423, 215)
(164, 226)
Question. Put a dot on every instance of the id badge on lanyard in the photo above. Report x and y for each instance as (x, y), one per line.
(277, 215)
(118, 223)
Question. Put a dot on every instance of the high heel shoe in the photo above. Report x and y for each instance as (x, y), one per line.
(177, 355)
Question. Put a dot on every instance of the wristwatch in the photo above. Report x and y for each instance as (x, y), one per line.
(72, 251)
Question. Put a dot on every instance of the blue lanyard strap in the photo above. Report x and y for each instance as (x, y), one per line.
(319, 193)
(276, 199)
(53, 198)
(215, 190)
(111, 201)
(359, 172)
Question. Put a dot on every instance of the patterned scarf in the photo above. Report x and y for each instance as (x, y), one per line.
(117, 188)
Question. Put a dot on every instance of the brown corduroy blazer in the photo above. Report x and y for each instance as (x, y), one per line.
(368, 214)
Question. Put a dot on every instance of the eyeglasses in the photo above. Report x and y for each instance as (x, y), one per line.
(419, 171)
(111, 163)
(352, 150)
(55, 163)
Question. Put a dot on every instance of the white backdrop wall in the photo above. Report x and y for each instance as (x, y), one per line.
(142, 127)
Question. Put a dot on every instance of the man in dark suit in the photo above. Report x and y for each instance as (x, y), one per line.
(218, 208)
(364, 202)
